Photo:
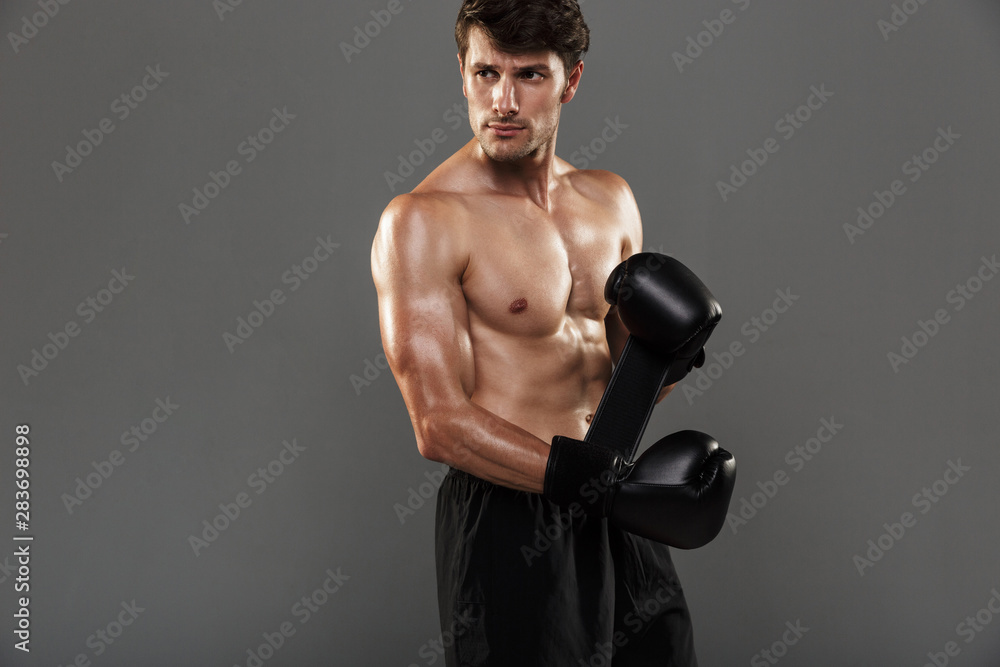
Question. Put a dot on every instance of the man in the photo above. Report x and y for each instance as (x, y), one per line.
(491, 278)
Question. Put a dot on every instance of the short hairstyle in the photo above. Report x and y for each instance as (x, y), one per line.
(520, 26)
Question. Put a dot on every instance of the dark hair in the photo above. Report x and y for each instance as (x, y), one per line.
(519, 26)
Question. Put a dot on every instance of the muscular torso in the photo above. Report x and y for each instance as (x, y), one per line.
(538, 353)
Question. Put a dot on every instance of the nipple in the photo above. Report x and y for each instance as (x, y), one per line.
(518, 306)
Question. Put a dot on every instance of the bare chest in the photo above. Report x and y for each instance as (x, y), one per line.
(528, 272)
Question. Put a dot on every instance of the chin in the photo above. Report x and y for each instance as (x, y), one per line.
(503, 151)
(503, 155)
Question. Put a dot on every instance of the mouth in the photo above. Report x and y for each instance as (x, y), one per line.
(505, 129)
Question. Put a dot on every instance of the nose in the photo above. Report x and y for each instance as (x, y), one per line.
(504, 98)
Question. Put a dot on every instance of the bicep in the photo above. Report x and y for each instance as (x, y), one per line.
(630, 223)
(616, 332)
(425, 335)
(423, 315)
(633, 223)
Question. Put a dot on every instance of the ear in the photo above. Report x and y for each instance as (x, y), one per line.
(461, 70)
(573, 82)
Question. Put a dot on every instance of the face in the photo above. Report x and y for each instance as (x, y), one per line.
(514, 100)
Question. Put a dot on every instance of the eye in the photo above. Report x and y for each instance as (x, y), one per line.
(486, 73)
(532, 76)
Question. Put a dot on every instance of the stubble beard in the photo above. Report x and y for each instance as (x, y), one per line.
(512, 149)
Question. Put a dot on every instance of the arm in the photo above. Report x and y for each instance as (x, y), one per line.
(616, 332)
(418, 258)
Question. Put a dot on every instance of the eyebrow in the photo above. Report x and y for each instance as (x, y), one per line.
(537, 67)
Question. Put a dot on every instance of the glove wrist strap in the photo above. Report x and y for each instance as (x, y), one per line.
(583, 473)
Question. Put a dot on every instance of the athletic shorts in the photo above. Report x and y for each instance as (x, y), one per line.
(522, 582)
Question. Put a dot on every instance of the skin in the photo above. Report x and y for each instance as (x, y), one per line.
(490, 277)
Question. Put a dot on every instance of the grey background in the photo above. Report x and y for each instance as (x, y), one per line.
(299, 375)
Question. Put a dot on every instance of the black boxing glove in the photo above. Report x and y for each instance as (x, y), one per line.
(664, 305)
(677, 492)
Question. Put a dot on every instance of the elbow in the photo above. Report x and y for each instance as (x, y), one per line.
(430, 450)
(433, 438)
(443, 436)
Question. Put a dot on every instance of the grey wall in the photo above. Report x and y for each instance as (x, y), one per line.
(816, 545)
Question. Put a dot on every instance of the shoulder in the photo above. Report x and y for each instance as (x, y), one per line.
(421, 229)
(411, 209)
(611, 192)
(437, 201)
(604, 187)
(434, 213)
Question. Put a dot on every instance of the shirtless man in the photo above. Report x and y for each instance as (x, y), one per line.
(490, 277)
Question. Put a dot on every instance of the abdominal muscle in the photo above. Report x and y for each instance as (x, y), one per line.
(549, 385)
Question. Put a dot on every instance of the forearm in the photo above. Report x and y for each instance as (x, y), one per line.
(479, 442)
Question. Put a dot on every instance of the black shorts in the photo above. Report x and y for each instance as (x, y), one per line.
(521, 582)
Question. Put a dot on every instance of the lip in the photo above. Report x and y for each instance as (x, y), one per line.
(504, 130)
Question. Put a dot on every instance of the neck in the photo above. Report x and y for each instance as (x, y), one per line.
(532, 176)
